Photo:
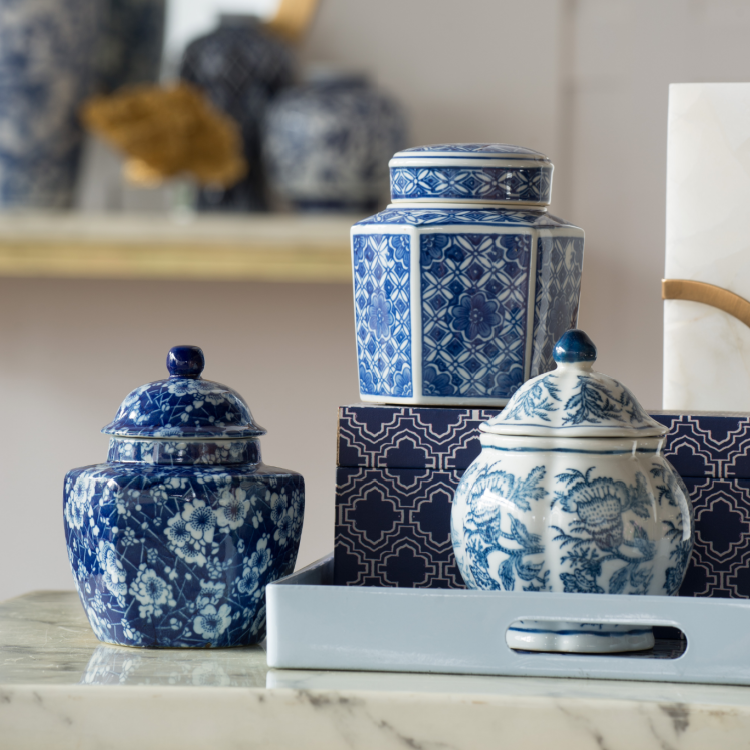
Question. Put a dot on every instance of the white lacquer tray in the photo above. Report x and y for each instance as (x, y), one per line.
(313, 624)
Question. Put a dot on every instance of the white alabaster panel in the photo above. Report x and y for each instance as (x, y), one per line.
(706, 359)
(706, 351)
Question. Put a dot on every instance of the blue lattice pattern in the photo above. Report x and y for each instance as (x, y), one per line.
(474, 310)
(393, 528)
(720, 565)
(527, 184)
(382, 313)
(448, 216)
(708, 445)
(409, 438)
(558, 288)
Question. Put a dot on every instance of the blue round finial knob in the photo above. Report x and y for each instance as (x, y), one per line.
(185, 362)
(574, 346)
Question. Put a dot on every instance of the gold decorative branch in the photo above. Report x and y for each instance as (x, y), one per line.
(707, 294)
(293, 18)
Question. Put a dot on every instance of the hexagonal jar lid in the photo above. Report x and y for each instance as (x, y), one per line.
(494, 173)
(574, 400)
(184, 405)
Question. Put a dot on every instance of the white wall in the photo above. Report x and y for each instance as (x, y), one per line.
(583, 81)
(70, 351)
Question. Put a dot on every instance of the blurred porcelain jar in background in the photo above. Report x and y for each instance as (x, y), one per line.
(464, 283)
(571, 493)
(47, 69)
(326, 143)
(240, 67)
(173, 540)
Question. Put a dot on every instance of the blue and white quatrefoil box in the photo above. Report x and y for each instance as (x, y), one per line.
(464, 283)
(399, 466)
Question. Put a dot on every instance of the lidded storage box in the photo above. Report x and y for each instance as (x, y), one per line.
(173, 540)
(464, 283)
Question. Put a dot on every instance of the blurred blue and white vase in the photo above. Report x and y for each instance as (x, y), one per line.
(173, 540)
(46, 71)
(464, 283)
(571, 493)
(240, 67)
(327, 143)
(130, 43)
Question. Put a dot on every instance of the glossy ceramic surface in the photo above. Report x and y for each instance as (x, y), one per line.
(46, 71)
(240, 67)
(327, 144)
(173, 540)
(460, 303)
(544, 511)
(472, 172)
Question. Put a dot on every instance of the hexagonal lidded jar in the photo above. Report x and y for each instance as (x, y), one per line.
(173, 540)
(464, 283)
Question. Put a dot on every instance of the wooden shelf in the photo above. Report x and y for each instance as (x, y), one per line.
(259, 247)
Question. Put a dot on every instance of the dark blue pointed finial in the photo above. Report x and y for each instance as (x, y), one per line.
(574, 346)
(185, 362)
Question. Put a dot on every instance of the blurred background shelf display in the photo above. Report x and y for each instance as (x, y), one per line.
(258, 247)
(89, 301)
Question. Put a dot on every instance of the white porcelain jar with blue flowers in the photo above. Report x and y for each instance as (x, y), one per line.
(173, 540)
(571, 493)
(464, 283)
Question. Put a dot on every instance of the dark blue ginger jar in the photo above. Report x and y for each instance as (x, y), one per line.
(240, 67)
(173, 540)
(326, 143)
(465, 282)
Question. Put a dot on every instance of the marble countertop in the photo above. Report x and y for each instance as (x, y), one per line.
(60, 687)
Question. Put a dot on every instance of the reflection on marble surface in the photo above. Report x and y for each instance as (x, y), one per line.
(707, 351)
(59, 687)
(243, 667)
(45, 638)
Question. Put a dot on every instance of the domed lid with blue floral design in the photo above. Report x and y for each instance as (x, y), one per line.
(490, 173)
(184, 405)
(574, 400)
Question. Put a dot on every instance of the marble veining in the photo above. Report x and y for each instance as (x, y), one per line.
(60, 688)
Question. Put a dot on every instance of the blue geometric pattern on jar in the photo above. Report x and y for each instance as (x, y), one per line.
(440, 216)
(474, 310)
(168, 559)
(558, 286)
(533, 184)
(382, 313)
(185, 453)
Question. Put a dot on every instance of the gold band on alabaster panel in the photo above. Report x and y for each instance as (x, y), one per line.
(707, 294)
(293, 18)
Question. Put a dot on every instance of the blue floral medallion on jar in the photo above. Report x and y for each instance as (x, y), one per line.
(172, 542)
